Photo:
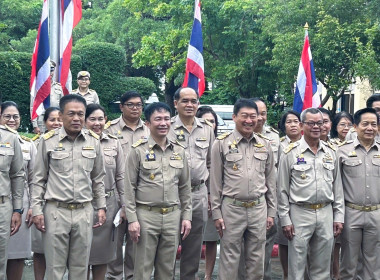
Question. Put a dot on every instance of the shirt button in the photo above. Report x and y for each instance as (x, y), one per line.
(367, 197)
(367, 186)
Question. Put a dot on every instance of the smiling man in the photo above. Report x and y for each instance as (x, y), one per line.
(243, 193)
(90, 95)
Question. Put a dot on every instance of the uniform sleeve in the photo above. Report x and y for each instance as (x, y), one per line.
(338, 204)
(30, 175)
(96, 98)
(120, 171)
(270, 182)
(208, 164)
(132, 170)
(283, 182)
(16, 175)
(184, 190)
(40, 178)
(97, 178)
(216, 179)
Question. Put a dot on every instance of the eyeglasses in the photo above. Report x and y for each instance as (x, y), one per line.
(84, 79)
(132, 105)
(344, 125)
(312, 124)
(8, 117)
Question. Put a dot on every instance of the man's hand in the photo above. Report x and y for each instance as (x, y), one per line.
(185, 228)
(338, 227)
(101, 218)
(29, 218)
(288, 232)
(39, 222)
(15, 222)
(36, 130)
(134, 231)
(219, 224)
(270, 222)
(123, 215)
(209, 207)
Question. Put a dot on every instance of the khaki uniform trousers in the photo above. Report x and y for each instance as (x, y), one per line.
(191, 247)
(115, 268)
(313, 235)
(5, 231)
(361, 231)
(67, 241)
(157, 245)
(248, 224)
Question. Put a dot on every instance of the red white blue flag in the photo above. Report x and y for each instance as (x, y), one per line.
(306, 95)
(40, 75)
(194, 76)
(71, 14)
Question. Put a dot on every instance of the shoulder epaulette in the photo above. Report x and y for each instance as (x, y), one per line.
(262, 136)
(207, 122)
(91, 90)
(139, 142)
(275, 131)
(25, 138)
(75, 90)
(115, 121)
(172, 120)
(290, 147)
(35, 137)
(93, 134)
(49, 134)
(352, 129)
(112, 136)
(177, 143)
(10, 129)
(345, 142)
(224, 135)
(282, 138)
(330, 145)
(107, 125)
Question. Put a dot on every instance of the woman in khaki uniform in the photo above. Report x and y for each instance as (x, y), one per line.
(103, 247)
(51, 121)
(341, 125)
(20, 244)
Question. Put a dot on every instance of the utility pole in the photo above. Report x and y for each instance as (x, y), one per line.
(54, 20)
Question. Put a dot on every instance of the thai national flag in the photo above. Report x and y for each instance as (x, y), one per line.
(71, 14)
(306, 95)
(40, 74)
(194, 76)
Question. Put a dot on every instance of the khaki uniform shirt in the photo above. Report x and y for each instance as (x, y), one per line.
(284, 142)
(125, 134)
(242, 169)
(114, 163)
(274, 140)
(360, 172)
(305, 178)
(197, 143)
(29, 153)
(68, 171)
(11, 165)
(157, 178)
(91, 96)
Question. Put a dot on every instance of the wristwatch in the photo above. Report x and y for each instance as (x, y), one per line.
(20, 211)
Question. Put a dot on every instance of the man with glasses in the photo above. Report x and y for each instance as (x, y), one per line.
(196, 136)
(310, 200)
(83, 80)
(128, 128)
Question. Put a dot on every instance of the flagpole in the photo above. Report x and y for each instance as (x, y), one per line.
(54, 15)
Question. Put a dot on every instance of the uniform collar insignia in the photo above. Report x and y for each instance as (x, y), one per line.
(352, 154)
(59, 147)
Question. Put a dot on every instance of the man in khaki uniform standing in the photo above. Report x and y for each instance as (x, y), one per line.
(90, 95)
(359, 166)
(11, 184)
(68, 176)
(310, 203)
(243, 193)
(128, 128)
(158, 195)
(197, 136)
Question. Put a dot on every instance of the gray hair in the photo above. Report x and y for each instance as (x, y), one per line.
(312, 111)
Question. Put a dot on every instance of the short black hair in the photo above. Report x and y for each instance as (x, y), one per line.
(177, 94)
(284, 116)
(129, 95)
(373, 98)
(312, 111)
(358, 115)
(71, 98)
(325, 111)
(336, 120)
(93, 107)
(207, 109)
(155, 106)
(244, 103)
(48, 111)
(7, 104)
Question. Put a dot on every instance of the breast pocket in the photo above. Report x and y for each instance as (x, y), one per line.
(201, 149)
(60, 161)
(110, 157)
(260, 161)
(328, 172)
(376, 166)
(6, 156)
(177, 166)
(150, 169)
(234, 163)
(88, 159)
(302, 173)
(352, 167)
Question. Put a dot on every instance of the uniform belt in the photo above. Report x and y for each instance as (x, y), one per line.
(110, 193)
(161, 210)
(3, 199)
(313, 206)
(70, 206)
(242, 203)
(195, 188)
(367, 208)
